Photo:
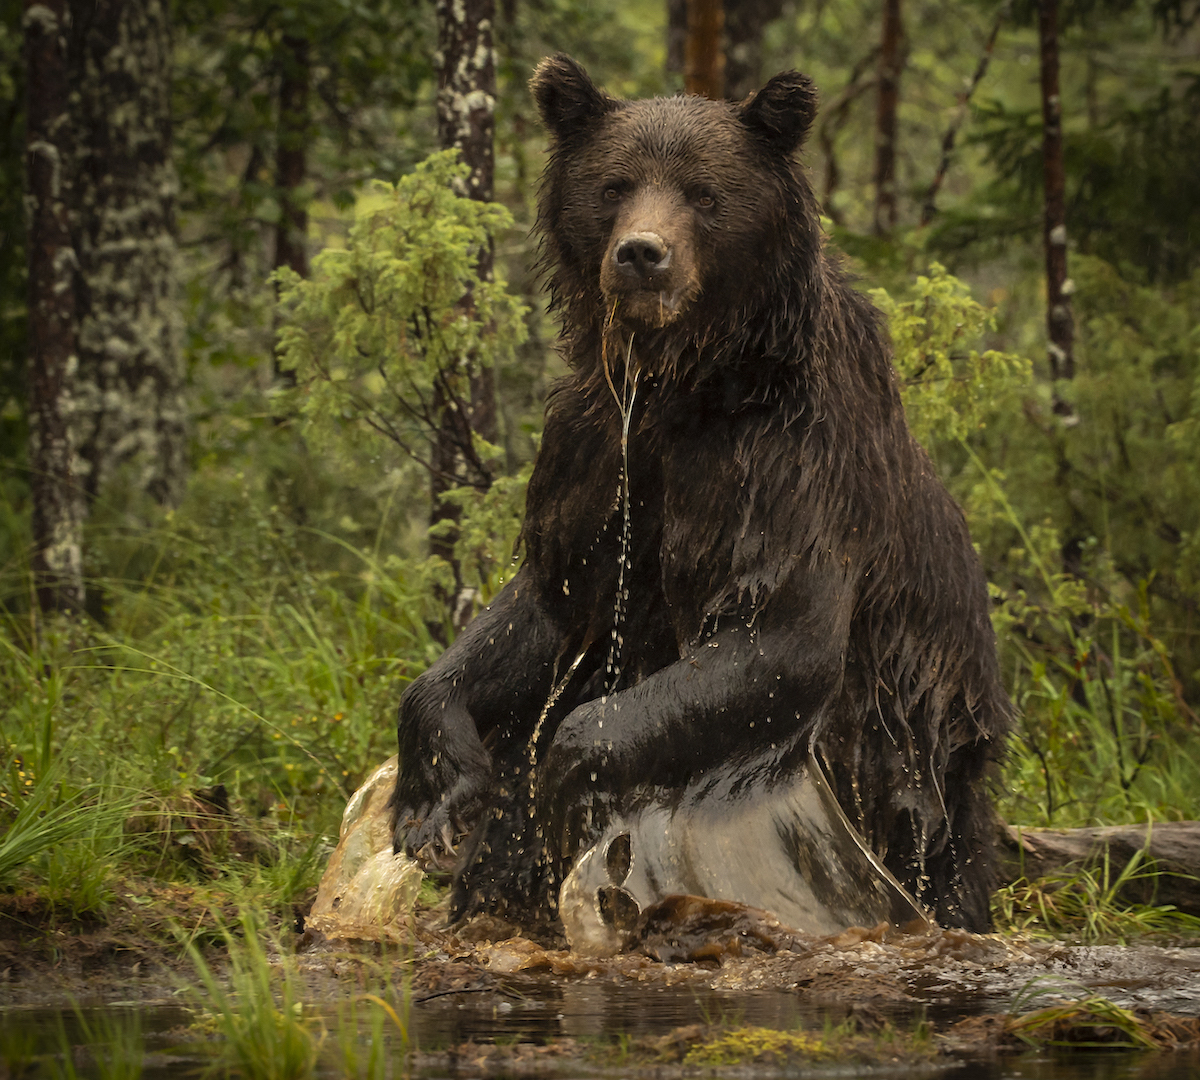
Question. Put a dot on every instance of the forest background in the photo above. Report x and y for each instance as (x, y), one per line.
(281, 455)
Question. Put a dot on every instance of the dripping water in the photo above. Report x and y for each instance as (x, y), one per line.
(624, 400)
(555, 694)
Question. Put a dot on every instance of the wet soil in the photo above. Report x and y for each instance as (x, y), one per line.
(486, 1001)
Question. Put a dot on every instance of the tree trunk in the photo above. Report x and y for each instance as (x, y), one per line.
(1060, 325)
(677, 27)
(745, 21)
(466, 105)
(131, 410)
(891, 62)
(1173, 847)
(291, 165)
(58, 508)
(291, 231)
(704, 52)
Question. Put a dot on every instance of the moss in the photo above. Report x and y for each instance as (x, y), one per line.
(707, 1046)
(755, 1044)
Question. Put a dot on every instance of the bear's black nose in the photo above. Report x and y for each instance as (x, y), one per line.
(642, 254)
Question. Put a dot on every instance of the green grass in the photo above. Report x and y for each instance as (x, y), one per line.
(232, 665)
(254, 1009)
(257, 1010)
(1092, 1021)
(1085, 905)
(111, 1045)
(107, 1045)
(374, 1048)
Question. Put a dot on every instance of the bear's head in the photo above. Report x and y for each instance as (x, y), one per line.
(665, 210)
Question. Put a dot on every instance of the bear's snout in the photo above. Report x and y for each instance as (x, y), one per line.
(649, 270)
(642, 255)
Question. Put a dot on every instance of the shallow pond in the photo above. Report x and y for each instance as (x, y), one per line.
(591, 1012)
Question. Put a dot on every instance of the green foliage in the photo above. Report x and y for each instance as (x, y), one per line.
(366, 114)
(1103, 722)
(837, 44)
(1131, 145)
(255, 1004)
(260, 1016)
(949, 388)
(67, 835)
(386, 336)
(398, 314)
(260, 636)
(235, 661)
(1084, 904)
(488, 529)
(386, 1035)
(49, 817)
(1085, 528)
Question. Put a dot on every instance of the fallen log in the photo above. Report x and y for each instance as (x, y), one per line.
(1170, 874)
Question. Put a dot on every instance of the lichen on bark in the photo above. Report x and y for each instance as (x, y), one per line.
(129, 409)
(57, 562)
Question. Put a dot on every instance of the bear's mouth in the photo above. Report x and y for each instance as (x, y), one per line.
(649, 306)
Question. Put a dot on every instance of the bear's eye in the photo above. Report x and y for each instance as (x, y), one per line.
(706, 200)
(612, 193)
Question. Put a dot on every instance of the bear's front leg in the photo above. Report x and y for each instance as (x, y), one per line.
(484, 692)
(738, 692)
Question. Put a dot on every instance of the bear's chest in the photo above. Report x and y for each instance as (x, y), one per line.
(657, 525)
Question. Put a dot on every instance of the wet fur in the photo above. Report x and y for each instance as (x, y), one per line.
(797, 575)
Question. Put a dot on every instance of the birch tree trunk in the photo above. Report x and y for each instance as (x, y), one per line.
(1060, 325)
(130, 409)
(58, 508)
(466, 104)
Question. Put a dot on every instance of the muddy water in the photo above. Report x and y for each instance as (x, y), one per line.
(597, 1012)
(513, 992)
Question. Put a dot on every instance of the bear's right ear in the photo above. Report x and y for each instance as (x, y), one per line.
(566, 97)
(782, 111)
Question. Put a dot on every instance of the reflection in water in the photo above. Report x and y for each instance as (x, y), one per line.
(592, 1011)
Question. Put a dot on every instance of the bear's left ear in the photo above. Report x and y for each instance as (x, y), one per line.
(782, 111)
(566, 97)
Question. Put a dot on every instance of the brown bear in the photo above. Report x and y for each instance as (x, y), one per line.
(737, 559)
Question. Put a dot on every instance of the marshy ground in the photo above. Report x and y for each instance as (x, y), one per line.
(723, 997)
